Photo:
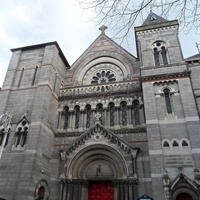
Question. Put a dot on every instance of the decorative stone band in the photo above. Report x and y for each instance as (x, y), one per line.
(134, 130)
(125, 86)
(84, 182)
(98, 128)
(157, 77)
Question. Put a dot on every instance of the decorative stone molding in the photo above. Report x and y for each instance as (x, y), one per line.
(185, 73)
(101, 89)
(98, 128)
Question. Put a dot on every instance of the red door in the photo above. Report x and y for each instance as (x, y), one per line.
(183, 196)
(101, 191)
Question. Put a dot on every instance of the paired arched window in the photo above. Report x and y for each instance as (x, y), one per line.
(21, 134)
(167, 97)
(160, 53)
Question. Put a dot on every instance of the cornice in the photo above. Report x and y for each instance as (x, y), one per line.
(137, 129)
(183, 74)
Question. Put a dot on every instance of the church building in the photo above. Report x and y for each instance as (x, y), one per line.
(112, 126)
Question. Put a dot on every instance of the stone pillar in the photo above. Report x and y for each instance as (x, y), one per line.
(105, 118)
(117, 117)
(70, 120)
(129, 121)
(142, 117)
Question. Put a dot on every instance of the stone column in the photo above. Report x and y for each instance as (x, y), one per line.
(142, 118)
(129, 123)
(117, 117)
(105, 117)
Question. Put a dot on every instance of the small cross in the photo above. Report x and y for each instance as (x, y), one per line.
(103, 28)
(97, 116)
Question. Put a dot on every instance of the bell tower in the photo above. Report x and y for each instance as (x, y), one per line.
(169, 102)
(157, 42)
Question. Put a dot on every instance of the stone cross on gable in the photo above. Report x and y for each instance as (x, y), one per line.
(103, 28)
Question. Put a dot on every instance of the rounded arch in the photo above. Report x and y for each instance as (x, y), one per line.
(184, 192)
(41, 190)
(85, 163)
(117, 64)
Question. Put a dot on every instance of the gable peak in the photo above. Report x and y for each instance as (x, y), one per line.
(103, 28)
(153, 18)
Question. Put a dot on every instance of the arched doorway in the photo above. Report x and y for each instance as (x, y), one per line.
(100, 190)
(184, 196)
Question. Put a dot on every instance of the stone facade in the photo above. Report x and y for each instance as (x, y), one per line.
(127, 124)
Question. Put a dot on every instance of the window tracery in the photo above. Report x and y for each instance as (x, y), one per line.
(103, 76)
(160, 53)
(21, 133)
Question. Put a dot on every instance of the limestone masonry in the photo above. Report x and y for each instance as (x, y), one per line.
(110, 127)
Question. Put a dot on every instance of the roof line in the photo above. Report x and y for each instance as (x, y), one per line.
(43, 45)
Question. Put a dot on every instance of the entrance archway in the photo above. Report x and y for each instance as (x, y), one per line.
(184, 196)
(101, 190)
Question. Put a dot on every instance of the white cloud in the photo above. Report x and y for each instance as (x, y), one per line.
(24, 23)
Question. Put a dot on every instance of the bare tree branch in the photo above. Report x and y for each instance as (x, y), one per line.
(121, 15)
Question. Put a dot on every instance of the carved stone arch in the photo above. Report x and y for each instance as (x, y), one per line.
(94, 58)
(175, 143)
(182, 184)
(21, 133)
(116, 63)
(184, 142)
(166, 143)
(109, 157)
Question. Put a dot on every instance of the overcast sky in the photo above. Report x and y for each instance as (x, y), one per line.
(29, 22)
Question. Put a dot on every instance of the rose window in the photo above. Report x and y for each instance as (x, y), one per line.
(104, 76)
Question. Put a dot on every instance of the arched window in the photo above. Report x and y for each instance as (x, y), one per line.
(165, 144)
(112, 114)
(77, 116)
(136, 110)
(88, 115)
(66, 114)
(164, 55)
(160, 53)
(156, 56)
(100, 110)
(175, 144)
(41, 193)
(167, 100)
(3, 135)
(124, 113)
(184, 143)
(21, 133)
